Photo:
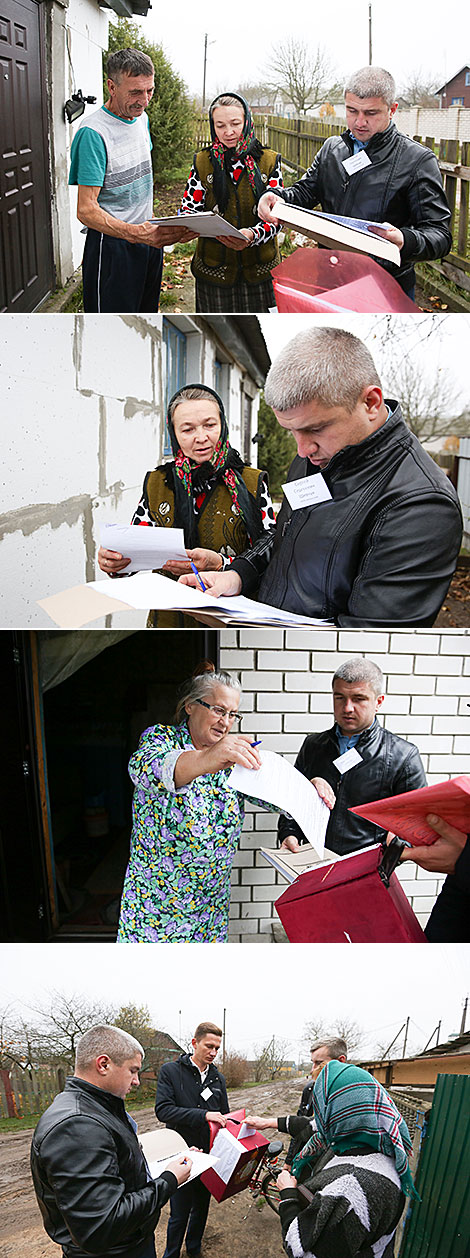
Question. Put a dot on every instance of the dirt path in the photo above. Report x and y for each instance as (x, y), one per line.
(234, 1228)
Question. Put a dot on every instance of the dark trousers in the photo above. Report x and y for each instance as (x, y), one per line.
(188, 1206)
(450, 918)
(119, 277)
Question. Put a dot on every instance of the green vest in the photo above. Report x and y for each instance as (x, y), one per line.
(212, 261)
(219, 528)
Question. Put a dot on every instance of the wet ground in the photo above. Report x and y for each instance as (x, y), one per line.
(235, 1227)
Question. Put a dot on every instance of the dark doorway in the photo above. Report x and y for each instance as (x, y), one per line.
(90, 697)
(26, 267)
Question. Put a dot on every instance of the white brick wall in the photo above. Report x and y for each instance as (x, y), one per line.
(286, 675)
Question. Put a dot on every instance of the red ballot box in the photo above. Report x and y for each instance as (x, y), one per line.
(334, 280)
(222, 1181)
(348, 902)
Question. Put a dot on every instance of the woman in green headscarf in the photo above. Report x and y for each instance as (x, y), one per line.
(230, 175)
(349, 1182)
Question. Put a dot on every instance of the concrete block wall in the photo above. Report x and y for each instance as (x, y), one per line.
(286, 677)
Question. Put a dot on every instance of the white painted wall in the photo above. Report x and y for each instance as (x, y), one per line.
(82, 397)
(76, 35)
(286, 677)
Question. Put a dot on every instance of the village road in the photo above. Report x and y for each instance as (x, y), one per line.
(235, 1227)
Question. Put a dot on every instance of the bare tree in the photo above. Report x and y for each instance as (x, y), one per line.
(420, 89)
(301, 73)
(235, 1070)
(270, 1058)
(61, 1023)
(342, 1026)
(423, 386)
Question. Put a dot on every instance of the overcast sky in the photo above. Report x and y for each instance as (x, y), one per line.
(407, 37)
(266, 989)
(449, 347)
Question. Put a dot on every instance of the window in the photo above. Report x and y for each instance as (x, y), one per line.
(457, 100)
(174, 368)
(467, 78)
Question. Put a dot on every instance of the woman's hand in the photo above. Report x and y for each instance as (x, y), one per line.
(267, 207)
(111, 561)
(204, 560)
(286, 1180)
(255, 1120)
(325, 792)
(181, 1168)
(216, 583)
(229, 750)
(233, 242)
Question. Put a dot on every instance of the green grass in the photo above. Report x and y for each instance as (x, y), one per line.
(19, 1124)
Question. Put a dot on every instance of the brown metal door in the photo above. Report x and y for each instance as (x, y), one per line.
(26, 271)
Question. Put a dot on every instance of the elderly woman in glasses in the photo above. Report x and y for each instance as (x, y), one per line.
(186, 819)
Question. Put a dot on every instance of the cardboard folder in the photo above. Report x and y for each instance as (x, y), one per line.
(405, 814)
(222, 1181)
(347, 902)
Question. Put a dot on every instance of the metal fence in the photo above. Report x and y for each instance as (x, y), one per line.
(438, 1225)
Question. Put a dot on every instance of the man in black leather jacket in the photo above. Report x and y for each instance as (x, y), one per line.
(373, 533)
(93, 1186)
(372, 171)
(383, 764)
(190, 1094)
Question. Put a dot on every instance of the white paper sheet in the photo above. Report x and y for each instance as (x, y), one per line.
(147, 548)
(151, 589)
(348, 760)
(200, 1163)
(246, 1130)
(279, 783)
(227, 1150)
(203, 222)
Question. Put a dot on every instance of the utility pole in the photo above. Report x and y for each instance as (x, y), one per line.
(407, 1023)
(223, 1040)
(464, 1016)
(370, 35)
(204, 74)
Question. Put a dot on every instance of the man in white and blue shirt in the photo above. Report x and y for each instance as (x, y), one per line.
(111, 163)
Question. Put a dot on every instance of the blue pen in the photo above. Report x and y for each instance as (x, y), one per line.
(257, 743)
(197, 574)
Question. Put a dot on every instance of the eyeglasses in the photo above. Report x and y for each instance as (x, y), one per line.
(232, 716)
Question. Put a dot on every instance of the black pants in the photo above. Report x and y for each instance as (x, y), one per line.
(190, 1202)
(119, 277)
(450, 918)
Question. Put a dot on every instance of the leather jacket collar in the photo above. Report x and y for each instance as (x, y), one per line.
(107, 1099)
(377, 142)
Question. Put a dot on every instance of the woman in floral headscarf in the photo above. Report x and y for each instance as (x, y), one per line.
(222, 504)
(230, 175)
(349, 1183)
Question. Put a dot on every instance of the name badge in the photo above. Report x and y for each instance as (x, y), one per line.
(358, 161)
(206, 1094)
(347, 760)
(307, 491)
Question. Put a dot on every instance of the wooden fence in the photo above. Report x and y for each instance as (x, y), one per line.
(299, 139)
(24, 1092)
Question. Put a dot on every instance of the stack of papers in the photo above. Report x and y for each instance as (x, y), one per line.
(78, 606)
(201, 222)
(292, 864)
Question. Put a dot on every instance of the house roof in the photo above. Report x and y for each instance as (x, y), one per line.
(451, 80)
